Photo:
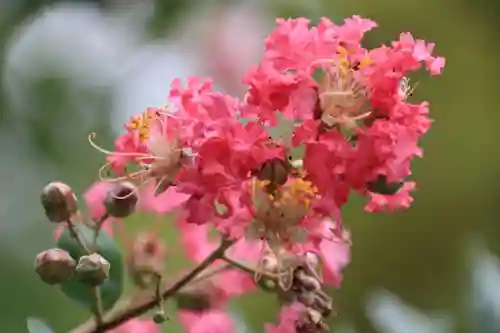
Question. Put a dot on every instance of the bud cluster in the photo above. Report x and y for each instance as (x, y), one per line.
(60, 205)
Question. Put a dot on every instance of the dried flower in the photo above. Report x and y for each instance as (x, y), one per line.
(160, 317)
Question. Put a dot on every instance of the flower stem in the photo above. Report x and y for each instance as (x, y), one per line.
(97, 228)
(239, 265)
(74, 234)
(98, 313)
(98, 309)
(140, 304)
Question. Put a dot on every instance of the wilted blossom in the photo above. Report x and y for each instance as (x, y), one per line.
(351, 114)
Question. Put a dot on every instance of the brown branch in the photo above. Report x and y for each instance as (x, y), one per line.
(145, 301)
(240, 266)
(97, 290)
(98, 312)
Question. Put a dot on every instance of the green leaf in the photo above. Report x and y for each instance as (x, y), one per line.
(111, 289)
(318, 74)
(36, 325)
(382, 186)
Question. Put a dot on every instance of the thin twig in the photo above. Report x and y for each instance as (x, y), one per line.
(74, 234)
(140, 304)
(208, 273)
(239, 265)
(244, 268)
(159, 296)
(98, 313)
(97, 227)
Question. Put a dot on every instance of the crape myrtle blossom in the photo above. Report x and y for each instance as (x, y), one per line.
(351, 115)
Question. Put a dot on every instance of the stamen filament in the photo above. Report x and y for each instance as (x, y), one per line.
(91, 138)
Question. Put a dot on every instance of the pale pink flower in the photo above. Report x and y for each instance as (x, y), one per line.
(287, 321)
(334, 253)
(401, 199)
(212, 321)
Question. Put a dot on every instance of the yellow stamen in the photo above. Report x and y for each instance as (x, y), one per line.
(365, 62)
(297, 192)
(262, 183)
(143, 123)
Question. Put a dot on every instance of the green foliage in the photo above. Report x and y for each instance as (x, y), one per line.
(111, 289)
(167, 13)
(36, 325)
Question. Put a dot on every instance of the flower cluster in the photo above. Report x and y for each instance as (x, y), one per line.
(210, 158)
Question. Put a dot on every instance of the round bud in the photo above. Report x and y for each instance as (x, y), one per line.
(59, 202)
(121, 200)
(267, 284)
(159, 317)
(275, 171)
(54, 266)
(93, 269)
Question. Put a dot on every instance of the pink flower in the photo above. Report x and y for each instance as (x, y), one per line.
(345, 104)
(138, 326)
(288, 317)
(213, 321)
(386, 148)
(94, 198)
(335, 254)
(380, 202)
(170, 199)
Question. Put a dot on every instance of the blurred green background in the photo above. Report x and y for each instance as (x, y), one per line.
(423, 256)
